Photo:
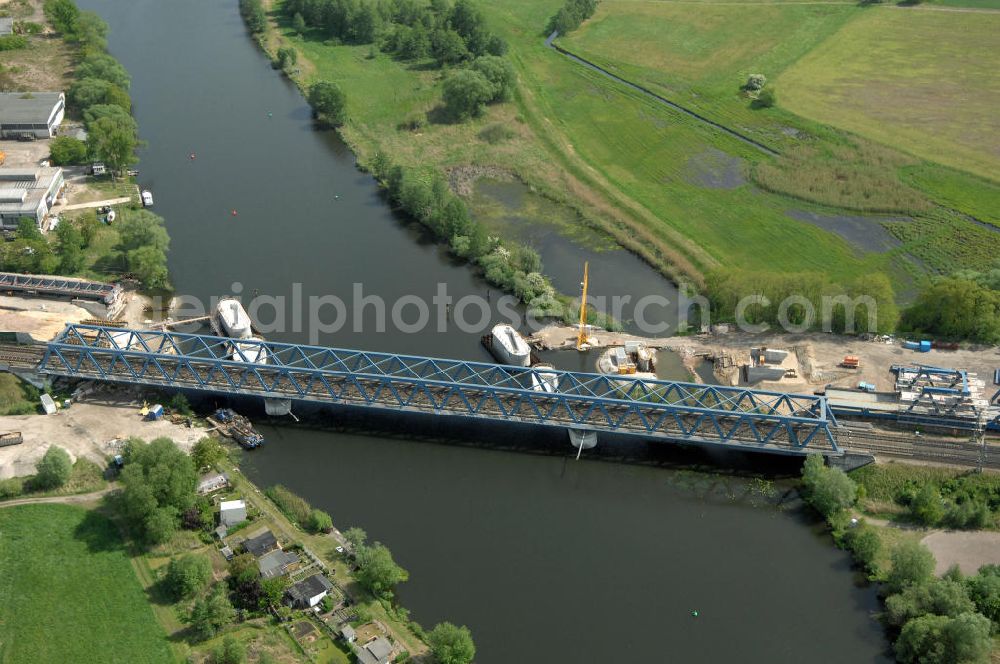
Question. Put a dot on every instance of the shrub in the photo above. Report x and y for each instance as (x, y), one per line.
(451, 644)
(865, 544)
(496, 133)
(466, 93)
(253, 15)
(926, 507)
(186, 576)
(28, 28)
(934, 639)
(11, 487)
(328, 102)
(230, 651)
(12, 42)
(54, 469)
(320, 522)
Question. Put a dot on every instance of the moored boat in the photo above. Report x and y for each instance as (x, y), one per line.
(233, 318)
(509, 347)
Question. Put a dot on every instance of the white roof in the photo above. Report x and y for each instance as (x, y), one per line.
(232, 505)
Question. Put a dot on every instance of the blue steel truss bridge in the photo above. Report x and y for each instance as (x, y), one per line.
(654, 409)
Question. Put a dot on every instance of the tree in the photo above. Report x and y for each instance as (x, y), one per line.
(159, 481)
(912, 564)
(829, 490)
(328, 102)
(142, 228)
(210, 614)
(499, 73)
(287, 57)
(298, 23)
(956, 308)
(91, 32)
(466, 93)
(448, 47)
(451, 644)
(755, 82)
(120, 115)
(935, 639)
(937, 596)
(67, 151)
(377, 570)
(113, 143)
(245, 582)
(186, 576)
(320, 522)
(87, 92)
(230, 651)
(104, 67)
(926, 506)
(207, 452)
(149, 265)
(866, 544)
(984, 590)
(271, 591)
(69, 247)
(54, 468)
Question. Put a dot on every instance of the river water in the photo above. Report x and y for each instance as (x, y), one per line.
(547, 559)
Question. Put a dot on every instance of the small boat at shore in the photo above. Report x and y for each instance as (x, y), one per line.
(509, 347)
(232, 424)
(147, 198)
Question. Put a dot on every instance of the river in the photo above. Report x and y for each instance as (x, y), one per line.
(547, 559)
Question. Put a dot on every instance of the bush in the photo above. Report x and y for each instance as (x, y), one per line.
(934, 639)
(451, 644)
(11, 487)
(293, 506)
(54, 469)
(28, 28)
(253, 15)
(230, 651)
(927, 507)
(938, 596)
(12, 42)
(571, 15)
(496, 133)
(865, 544)
(67, 151)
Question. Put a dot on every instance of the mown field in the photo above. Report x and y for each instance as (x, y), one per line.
(922, 81)
(69, 592)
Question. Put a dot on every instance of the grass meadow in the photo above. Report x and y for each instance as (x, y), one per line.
(922, 81)
(69, 591)
(648, 175)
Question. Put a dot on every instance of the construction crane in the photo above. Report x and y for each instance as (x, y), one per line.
(581, 339)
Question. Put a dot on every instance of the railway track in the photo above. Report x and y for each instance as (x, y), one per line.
(959, 451)
(20, 356)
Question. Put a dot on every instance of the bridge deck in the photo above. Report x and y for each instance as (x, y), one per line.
(735, 417)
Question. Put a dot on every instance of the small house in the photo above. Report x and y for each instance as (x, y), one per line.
(376, 651)
(276, 563)
(232, 512)
(31, 114)
(348, 634)
(261, 543)
(309, 592)
(212, 482)
(6, 26)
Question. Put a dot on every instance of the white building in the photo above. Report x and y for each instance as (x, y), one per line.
(28, 192)
(34, 114)
(232, 512)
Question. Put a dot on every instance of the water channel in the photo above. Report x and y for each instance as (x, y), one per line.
(546, 559)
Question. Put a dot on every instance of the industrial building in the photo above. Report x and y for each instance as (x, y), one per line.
(28, 192)
(31, 114)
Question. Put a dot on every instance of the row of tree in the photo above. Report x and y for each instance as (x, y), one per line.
(806, 299)
(963, 306)
(936, 621)
(408, 29)
(571, 15)
(428, 199)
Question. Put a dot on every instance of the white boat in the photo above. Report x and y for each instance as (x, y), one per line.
(233, 318)
(510, 347)
(147, 198)
(544, 378)
(252, 353)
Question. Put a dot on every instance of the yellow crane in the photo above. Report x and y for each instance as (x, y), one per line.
(582, 338)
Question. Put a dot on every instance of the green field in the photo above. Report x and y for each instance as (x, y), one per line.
(69, 591)
(922, 81)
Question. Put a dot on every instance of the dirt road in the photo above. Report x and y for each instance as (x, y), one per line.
(74, 499)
